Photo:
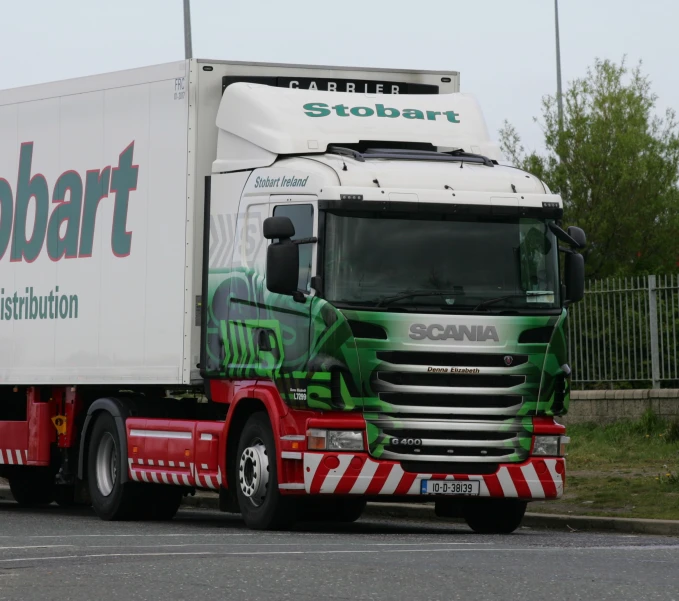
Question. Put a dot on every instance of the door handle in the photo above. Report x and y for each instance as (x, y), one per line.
(264, 340)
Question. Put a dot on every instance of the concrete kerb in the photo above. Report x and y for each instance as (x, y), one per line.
(570, 523)
(425, 512)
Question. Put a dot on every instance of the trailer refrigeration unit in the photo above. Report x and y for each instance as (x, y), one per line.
(300, 287)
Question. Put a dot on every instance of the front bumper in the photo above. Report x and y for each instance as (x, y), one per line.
(358, 474)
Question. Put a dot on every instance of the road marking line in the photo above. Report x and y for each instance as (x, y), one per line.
(36, 547)
(306, 544)
(248, 553)
(333, 552)
(197, 534)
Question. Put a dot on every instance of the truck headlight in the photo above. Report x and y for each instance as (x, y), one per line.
(335, 440)
(550, 446)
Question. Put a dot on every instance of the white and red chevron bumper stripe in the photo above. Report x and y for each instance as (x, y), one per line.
(159, 473)
(182, 474)
(209, 480)
(348, 474)
(13, 457)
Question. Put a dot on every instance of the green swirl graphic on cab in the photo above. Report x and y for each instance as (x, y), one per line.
(385, 364)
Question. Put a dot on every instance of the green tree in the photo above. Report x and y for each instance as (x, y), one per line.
(616, 165)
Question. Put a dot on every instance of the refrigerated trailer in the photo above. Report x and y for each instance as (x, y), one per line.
(300, 287)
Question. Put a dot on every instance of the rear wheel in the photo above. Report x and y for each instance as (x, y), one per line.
(495, 516)
(34, 487)
(256, 478)
(111, 499)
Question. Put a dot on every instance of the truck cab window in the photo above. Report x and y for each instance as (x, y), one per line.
(302, 217)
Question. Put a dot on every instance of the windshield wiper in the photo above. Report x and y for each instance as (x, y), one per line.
(492, 301)
(392, 299)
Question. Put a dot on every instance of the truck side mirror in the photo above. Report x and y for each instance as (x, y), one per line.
(578, 235)
(282, 257)
(278, 228)
(575, 277)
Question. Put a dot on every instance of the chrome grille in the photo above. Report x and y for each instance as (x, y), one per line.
(467, 416)
(448, 359)
(449, 380)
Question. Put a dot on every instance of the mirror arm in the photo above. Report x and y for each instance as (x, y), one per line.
(564, 295)
(562, 235)
(306, 241)
(568, 251)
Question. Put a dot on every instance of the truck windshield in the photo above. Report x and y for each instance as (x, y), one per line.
(440, 262)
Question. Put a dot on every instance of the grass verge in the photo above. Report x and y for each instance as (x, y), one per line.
(626, 469)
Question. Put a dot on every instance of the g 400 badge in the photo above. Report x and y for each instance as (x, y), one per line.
(406, 442)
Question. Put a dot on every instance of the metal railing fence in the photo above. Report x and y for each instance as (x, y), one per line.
(625, 331)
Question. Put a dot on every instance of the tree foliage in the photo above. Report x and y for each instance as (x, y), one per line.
(615, 163)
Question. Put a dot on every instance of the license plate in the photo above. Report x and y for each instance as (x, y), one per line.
(450, 487)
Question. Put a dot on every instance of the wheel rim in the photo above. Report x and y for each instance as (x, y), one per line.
(106, 465)
(253, 472)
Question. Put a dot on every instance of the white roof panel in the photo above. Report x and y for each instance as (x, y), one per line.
(283, 121)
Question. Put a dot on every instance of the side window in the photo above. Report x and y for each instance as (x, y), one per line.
(538, 256)
(302, 217)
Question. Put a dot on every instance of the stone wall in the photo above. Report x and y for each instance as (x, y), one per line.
(606, 406)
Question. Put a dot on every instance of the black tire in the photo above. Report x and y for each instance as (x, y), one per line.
(342, 511)
(495, 516)
(123, 501)
(266, 508)
(33, 488)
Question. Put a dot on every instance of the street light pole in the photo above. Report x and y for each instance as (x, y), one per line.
(188, 45)
(559, 91)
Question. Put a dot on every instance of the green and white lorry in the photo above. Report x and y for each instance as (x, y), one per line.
(300, 287)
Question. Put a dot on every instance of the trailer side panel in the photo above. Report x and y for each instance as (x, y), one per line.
(93, 196)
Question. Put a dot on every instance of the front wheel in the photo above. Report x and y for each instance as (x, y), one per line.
(256, 478)
(494, 516)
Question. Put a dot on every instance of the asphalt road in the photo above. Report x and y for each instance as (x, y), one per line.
(55, 553)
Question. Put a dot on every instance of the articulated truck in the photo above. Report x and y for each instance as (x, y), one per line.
(302, 288)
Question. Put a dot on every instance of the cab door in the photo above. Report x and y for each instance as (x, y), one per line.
(285, 322)
(236, 262)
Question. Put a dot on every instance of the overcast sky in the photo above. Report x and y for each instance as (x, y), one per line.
(504, 49)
